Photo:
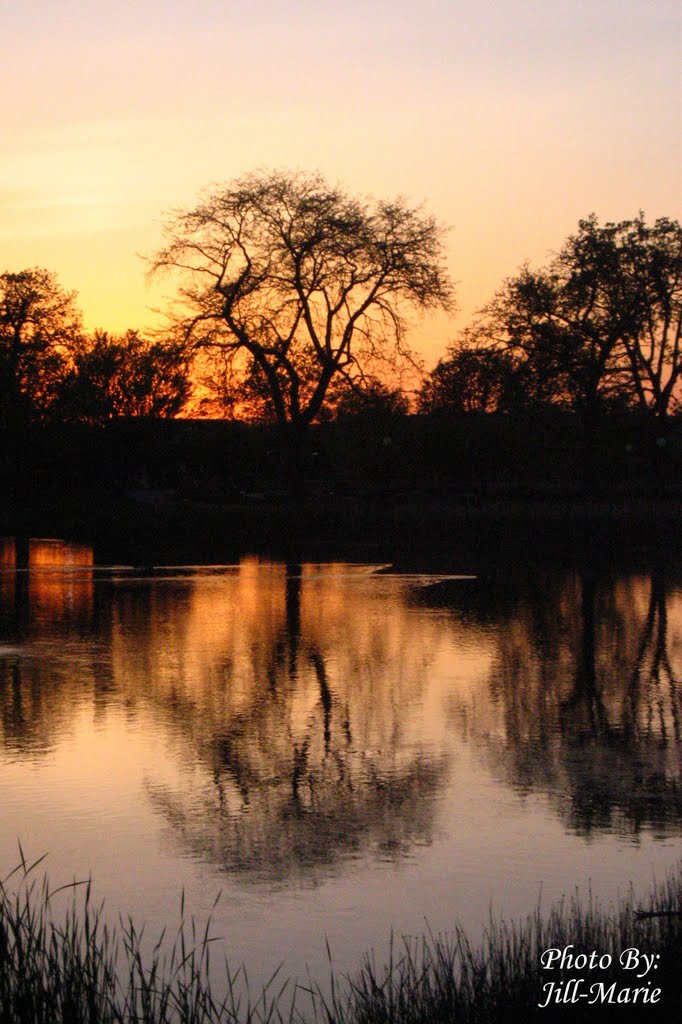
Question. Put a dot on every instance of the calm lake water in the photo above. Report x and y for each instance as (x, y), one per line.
(340, 749)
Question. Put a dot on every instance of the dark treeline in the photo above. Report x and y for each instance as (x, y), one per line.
(293, 298)
(52, 371)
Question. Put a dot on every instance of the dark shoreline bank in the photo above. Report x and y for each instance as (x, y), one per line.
(458, 533)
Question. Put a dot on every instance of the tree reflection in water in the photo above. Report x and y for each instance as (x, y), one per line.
(294, 693)
(584, 698)
(46, 594)
(288, 702)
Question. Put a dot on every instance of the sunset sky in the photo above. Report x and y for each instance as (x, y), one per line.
(509, 120)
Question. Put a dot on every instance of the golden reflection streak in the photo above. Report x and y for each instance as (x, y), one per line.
(52, 591)
(58, 588)
(8, 553)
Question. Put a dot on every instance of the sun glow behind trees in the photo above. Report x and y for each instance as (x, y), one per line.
(301, 287)
(292, 299)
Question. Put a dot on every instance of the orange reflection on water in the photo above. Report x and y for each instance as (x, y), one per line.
(60, 582)
(7, 564)
(295, 692)
(58, 554)
(8, 552)
(305, 713)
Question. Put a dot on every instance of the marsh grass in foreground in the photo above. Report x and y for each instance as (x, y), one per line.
(67, 966)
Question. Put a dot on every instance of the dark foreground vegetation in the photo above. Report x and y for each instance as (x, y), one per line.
(69, 966)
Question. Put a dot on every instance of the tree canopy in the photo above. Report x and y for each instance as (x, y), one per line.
(651, 276)
(124, 375)
(40, 332)
(566, 324)
(601, 324)
(473, 378)
(297, 284)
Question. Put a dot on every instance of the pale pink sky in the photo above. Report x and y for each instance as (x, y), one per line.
(509, 120)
